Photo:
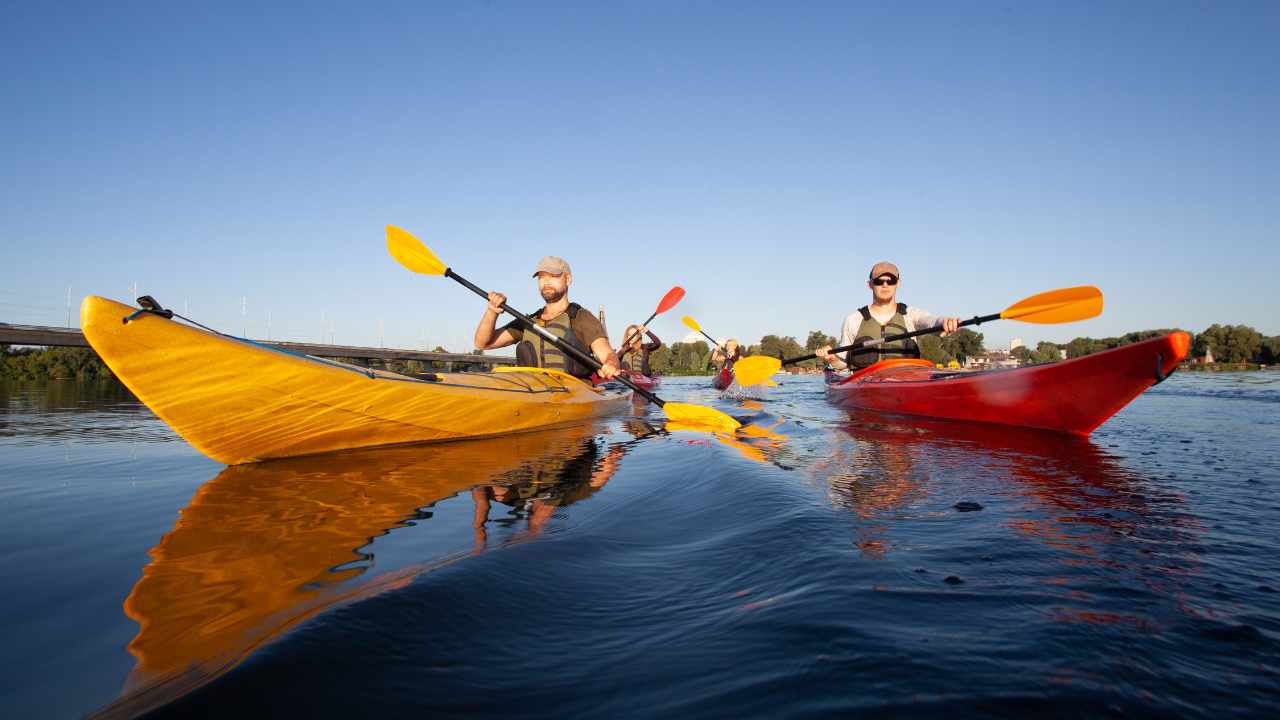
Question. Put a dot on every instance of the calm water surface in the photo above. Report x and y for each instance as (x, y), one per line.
(818, 565)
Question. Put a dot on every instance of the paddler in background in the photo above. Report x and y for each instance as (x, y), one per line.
(885, 316)
(564, 319)
(634, 348)
(726, 357)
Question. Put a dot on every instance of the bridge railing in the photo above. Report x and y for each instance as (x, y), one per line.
(38, 335)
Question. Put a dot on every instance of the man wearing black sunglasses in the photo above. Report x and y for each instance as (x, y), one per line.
(885, 316)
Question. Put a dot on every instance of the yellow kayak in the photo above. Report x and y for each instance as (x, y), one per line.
(238, 401)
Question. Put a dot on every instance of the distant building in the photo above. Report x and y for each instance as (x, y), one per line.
(1015, 343)
(991, 360)
(1208, 355)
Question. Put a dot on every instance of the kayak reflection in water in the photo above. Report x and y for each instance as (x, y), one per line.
(264, 547)
(1078, 503)
(883, 317)
(545, 488)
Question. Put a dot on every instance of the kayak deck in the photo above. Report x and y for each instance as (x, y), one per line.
(1072, 396)
(238, 401)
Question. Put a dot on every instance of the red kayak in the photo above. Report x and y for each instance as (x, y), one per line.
(723, 379)
(644, 382)
(1073, 396)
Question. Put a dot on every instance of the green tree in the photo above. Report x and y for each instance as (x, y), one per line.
(62, 363)
(1082, 346)
(1270, 352)
(785, 346)
(962, 344)
(1022, 353)
(931, 350)
(688, 358)
(1229, 343)
(660, 360)
(817, 339)
(1046, 352)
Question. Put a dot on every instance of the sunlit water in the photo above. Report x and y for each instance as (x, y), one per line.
(815, 566)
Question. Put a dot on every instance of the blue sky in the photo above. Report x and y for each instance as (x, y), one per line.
(762, 156)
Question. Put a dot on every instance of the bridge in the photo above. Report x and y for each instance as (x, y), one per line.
(39, 335)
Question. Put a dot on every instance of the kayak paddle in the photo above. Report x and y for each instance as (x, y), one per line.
(1046, 308)
(411, 253)
(694, 326)
(670, 300)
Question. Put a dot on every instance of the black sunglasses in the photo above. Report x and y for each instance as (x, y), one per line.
(885, 281)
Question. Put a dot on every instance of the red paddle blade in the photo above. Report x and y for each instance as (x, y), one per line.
(670, 300)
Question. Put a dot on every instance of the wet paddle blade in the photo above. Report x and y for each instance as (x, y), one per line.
(755, 369)
(691, 324)
(1057, 306)
(700, 415)
(411, 253)
(670, 300)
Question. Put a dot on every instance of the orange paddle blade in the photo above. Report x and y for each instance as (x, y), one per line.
(1057, 306)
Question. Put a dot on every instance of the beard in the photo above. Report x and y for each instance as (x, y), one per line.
(550, 294)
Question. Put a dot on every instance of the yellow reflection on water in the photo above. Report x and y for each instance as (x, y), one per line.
(261, 548)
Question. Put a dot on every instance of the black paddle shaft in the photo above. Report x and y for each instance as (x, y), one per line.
(563, 346)
(869, 345)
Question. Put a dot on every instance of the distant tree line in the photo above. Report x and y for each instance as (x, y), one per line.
(62, 363)
(1237, 344)
(1232, 344)
(682, 358)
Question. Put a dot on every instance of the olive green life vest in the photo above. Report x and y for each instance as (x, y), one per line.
(871, 329)
(536, 351)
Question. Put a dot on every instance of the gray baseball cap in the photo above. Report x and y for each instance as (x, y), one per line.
(883, 268)
(553, 265)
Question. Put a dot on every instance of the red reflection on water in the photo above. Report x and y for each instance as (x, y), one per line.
(1107, 525)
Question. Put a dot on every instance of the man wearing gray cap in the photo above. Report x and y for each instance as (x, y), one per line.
(564, 319)
(885, 316)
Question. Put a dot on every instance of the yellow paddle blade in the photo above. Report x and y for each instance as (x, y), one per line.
(691, 323)
(411, 253)
(700, 415)
(755, 369)
(1057, 306)
(770, 383)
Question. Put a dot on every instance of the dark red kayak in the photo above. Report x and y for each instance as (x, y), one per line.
(1073, 396)
(722, 379)
(644, 382)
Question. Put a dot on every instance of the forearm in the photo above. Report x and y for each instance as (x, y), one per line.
(486, 330)
(836, 360)
(605, 354)
(923, 319)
